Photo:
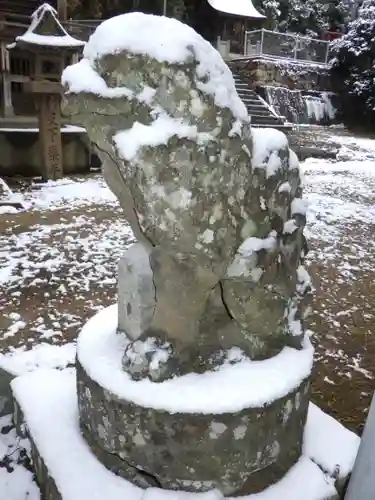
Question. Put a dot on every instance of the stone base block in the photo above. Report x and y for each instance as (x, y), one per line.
(66, 468)
(237, 453)
(237, 429)
(6, 402)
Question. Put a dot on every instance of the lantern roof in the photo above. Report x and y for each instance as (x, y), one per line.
(45, 30)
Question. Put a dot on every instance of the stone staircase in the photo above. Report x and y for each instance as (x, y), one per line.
(261, 113)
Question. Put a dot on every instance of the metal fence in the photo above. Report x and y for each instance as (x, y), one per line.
(285, 46)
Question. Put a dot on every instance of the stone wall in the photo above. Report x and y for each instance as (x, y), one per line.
(20, 153)
(300, 92)
(294, 75)
(303, 106)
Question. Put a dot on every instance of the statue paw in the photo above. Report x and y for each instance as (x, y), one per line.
(147, 358)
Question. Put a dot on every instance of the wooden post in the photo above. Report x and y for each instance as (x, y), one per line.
(6, 82)
(49, 119)
(261, 41)
(62, 10)
(296, 47)
(7, 96)
(75, 58)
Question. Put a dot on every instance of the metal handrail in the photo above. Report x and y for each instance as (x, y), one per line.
(261, 51)
(83, 22)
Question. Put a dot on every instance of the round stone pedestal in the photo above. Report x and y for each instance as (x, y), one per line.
(238, 429)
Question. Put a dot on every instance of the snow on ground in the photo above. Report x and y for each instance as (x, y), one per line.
(329, 444)
(20, 264)
(16, 480)
(341, 222)
(58, 260)
(78, 192)
(58, 265)
(42, 355)
(7, 209)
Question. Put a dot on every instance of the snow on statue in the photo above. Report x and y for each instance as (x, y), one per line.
(216, 279)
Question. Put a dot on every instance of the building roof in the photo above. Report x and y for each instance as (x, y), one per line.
(243, 8)
(46, 30)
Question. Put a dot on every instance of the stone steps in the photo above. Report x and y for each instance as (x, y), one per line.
(261, 114)
(264, 119)
(259, 111)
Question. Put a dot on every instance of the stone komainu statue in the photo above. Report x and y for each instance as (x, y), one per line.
(216, 208)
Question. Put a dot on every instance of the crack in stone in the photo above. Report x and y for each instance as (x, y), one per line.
(140, 477)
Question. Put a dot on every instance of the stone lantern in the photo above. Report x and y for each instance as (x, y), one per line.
(50, 49)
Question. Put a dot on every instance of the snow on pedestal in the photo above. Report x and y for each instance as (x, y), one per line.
(20, 361)
(330, 444)
(67, 469)
(229, 389)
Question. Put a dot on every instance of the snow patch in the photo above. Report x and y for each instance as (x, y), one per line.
(267, 142)
(17, 482)
(19, 361)
(299, 206)
(68, 192)
(329, 443)
(245, 259)
(53, 425)
(5, 209)
(159, 132)
(8, 199)
(320, 107)
(90, 81)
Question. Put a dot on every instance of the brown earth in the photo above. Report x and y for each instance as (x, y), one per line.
(342, 321)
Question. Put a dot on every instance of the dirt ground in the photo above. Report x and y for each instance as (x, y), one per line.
(57, 300)
(62, 261)
(343, 381)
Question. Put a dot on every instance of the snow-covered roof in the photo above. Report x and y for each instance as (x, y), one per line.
(46, 30)
(243, 8)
